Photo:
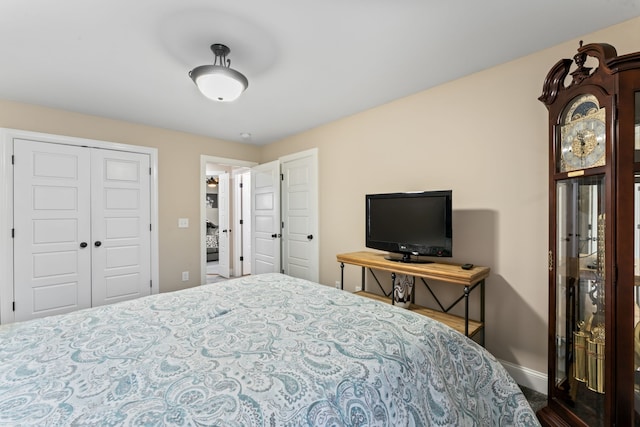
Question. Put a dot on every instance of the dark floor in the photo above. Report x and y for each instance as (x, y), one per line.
(536, 400)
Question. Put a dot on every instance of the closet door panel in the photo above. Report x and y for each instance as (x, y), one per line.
(51, 221)
(120, 226)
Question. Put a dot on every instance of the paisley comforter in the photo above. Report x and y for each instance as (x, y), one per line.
(265, 350)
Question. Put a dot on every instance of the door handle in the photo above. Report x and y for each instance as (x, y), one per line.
(275, 235)
(83, 244)
(97, 243)
(310, 237)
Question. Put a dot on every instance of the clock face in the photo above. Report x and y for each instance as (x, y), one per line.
(582, 135)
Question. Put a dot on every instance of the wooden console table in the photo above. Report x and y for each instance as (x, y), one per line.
(449, 273)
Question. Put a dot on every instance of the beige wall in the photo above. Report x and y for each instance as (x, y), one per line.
(483, 136)
(178, 175)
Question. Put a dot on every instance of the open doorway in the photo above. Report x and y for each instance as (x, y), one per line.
(212, 220)
(255, 191)
(225, 218)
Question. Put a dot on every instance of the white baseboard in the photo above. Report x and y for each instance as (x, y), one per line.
(527, 377)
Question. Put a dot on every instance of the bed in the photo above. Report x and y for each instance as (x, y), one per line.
(263, 350)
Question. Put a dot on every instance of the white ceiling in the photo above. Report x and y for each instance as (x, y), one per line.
(308, 62)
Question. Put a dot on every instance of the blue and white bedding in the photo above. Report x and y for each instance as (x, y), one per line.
(265, 350)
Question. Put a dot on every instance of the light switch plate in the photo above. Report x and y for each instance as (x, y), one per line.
(183, 222)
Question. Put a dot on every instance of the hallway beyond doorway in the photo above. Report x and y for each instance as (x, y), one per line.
(212, 273)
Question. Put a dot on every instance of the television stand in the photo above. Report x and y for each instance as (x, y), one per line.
(448, 273)
(406, 258)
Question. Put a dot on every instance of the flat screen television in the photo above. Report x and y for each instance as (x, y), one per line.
(410, 224)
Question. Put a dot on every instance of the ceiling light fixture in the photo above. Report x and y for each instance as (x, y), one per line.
(218, 81)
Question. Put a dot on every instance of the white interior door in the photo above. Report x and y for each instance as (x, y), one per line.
(224, 230)
(121, 218)
(52, 242)
(265, 218)
(241, 214)
(300, 249)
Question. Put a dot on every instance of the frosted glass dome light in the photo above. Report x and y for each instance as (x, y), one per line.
(219, 82)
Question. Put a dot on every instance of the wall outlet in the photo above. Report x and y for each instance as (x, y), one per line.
(185, 276)
(358, 288)
(337, 284)
(183, 222)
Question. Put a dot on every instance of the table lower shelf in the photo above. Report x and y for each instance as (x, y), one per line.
(451, 320)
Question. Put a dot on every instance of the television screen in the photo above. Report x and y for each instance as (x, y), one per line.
(410, 223)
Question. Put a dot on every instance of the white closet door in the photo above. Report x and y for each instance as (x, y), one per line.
(120, 226)
(52, 252)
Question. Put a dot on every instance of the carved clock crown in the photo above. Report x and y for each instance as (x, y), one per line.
(554, 82)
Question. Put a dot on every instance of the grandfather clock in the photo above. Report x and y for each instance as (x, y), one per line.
(594, 239)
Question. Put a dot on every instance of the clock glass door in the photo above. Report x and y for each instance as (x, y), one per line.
(580, 296)
(636, 296)
(636, 269)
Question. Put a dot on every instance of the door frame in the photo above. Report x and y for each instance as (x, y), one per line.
(204, 159)
(6, 204)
